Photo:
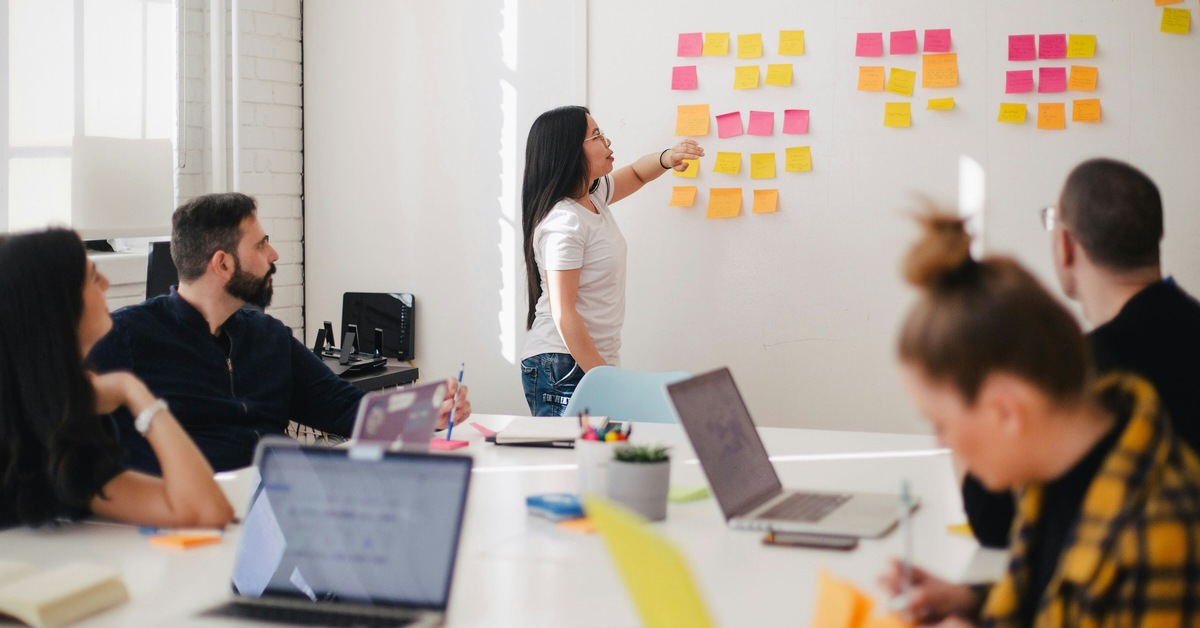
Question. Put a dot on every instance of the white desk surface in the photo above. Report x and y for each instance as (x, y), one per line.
(517, 570)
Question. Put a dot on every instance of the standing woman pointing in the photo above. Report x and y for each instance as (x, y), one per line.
(574, 251)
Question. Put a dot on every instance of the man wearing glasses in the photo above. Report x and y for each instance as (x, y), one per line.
(1105, 235)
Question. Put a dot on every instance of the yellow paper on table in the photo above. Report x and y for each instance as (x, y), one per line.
(940, 70)
(791, 43)
(961, 529)
(798, 159)
(901, 81)
(728, 163)
(724, 202)
(779, 74)
(897, 114)
(840, 604)
(766, 201)
(693, 169)
(870, 78)
(1052, 116)
(745, 77)
(1177, 21)
(940, 104)
(691, 120)
(1087, 110)
(655, 573)
(1081, 46)
(1083, 78)
(683, 196)
(762, 165)
(716, 44)
(1012, 113)
(749, 46)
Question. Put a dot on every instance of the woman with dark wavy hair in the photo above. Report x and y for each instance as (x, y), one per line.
(58, 457)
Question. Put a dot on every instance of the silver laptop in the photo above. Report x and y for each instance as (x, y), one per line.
(404, 416)
(741, 476)
(350, 536)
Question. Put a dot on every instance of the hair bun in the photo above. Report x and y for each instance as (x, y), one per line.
(943, 251)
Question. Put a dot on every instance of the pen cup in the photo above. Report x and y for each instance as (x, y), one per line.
(593, 458)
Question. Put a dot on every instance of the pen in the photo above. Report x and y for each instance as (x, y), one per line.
(450, 429)
(906, 529)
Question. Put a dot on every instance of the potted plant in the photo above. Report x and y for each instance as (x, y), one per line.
(639, 478)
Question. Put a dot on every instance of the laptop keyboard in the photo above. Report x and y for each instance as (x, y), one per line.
(808, 507)
(303, 616)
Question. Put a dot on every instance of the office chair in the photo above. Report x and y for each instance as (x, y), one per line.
(624, 395)
(160, 270)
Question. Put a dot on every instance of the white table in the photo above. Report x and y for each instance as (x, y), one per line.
(517, 570)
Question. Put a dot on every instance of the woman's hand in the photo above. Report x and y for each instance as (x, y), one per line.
(687, 149)
(931, 600)
(119, 389)
(456, 397)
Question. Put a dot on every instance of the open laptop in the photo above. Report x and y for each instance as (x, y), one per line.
(407, 416)
(745, 484)
(350, 536)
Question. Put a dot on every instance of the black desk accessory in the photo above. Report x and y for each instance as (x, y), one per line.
(390, 312)
(349, 361)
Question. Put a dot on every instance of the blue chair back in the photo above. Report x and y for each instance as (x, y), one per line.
(624, 395)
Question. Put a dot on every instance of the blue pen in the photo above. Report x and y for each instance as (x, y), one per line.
(450, 430)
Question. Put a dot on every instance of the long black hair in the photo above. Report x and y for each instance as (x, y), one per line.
(52, 444)
(555, 168)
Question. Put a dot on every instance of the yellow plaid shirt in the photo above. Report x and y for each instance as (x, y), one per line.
(1134, 557)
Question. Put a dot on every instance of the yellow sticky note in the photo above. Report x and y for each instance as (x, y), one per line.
(749, 46)
(1052, 116)
(766, 201)
(691, 120)
(728, 163)
(901, 81)
(940, 104)
(798, 159)
(1012, 113)
(791, 43)
(779, 74)
(1177, 21)
(683, 196)
(693, 169)
(1087, 110)
(745, 77)
(1081, 46)
(840, 604)
(870, 78)
(940, 70)
(724, 202)
(716, 44)
(654, 572)
(897, 114)
(1083, 78)
(961, 529)
(762, 165)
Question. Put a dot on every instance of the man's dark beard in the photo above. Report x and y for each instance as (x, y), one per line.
(253, 290)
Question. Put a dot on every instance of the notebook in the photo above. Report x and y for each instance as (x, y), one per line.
(741, 476)
(405, 416)
(353, 535)
(539, 431)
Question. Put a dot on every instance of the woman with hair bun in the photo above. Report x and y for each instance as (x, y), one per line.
(1108, 521)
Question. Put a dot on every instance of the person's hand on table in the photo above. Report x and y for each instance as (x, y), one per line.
(931, 600)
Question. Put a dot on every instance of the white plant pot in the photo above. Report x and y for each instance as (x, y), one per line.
(641, 487)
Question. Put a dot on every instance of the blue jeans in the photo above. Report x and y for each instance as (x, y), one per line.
(549, 380)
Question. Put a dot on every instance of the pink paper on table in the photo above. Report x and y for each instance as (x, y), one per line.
(691, 44)
(683, 77)
(729, 124)
(937, 40)
(795, 121)
(869, 45)
(1052, 46)
(761, 123)
(1018, 81)
(903, 43)
(1022, 48)
(1052, 80)
(483, 430)
(442, 444)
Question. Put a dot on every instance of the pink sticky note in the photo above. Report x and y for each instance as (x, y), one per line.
(483, 430)
(442, 444)
(683, 77)
(691, 44)
(869, 45)
(1022, 48)
(729, 124)
(795, 121)
(1018, 81)
(903, 43)
(1052, 46)
(762, 123)
(937, 40)
(1052, 80)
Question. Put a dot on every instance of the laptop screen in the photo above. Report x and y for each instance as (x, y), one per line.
(722, 433)
(329, 526)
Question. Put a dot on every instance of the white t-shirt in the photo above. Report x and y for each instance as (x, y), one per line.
(571, 237)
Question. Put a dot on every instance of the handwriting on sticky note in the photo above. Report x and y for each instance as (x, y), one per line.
(1022, 48)
(1083, 78)
(762, 123)
(1052, 116)
(1176, 21)
(683, 77)
(903, 43)
(691, 171)
(728, 163)
(939, 70)
(791, 43)
(724, 202)
(765, 201)
(1086, 110)
(1052, 80)
(940, 104)
(749, 46)
(901, 81)
(1080, 46)
(1052, 46)
(745, 77)
(691, 44)
(871, 78)
(795, 121)
(869, 45)
(779, 74)
(798, 159)
(716, 44)
(937, 40)
(729, 124)
(683, 196)
(762, 165)
(897, 114)
(1012, 113)
(1018, 81)
(691, 120)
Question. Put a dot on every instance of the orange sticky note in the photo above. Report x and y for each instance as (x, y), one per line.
(1081, 46)
(691, 120)
(1012, 113)
(897, 114)
(1052, 116)
(693, 169)
(940, 70)
(745, 77)
(716, 44)
(840, 604)
(184, 541)
(1087, 110)
(581, 525)
(798, 159)
(683, 196)
(1161, 3)
(870, 78)
(1083, 78)
(889, 620)
(1176, 21)
(724, 202)
(901, 81)
(766, 201)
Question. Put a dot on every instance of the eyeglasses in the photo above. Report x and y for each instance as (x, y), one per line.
(1049, 217)
(599, 135)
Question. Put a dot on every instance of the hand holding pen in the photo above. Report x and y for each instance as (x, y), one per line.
(456, 407)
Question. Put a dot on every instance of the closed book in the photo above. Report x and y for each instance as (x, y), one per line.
(59, 596)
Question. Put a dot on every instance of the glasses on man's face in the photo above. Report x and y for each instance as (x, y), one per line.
(1048, 215)
(599, 135)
